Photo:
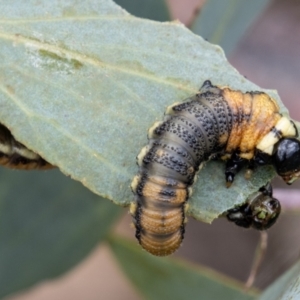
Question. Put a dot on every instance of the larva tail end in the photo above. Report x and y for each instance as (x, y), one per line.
(161, 248)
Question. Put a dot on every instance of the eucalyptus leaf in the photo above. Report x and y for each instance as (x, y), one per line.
(225, 22)
(286, 287)
(165, 278)
(81, 83)
(48, 223)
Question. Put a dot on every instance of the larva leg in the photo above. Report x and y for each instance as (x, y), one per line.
(250, 168)
(233, 166)
(206, 85)
(267, 190)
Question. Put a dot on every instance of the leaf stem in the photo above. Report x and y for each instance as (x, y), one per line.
(258, 258)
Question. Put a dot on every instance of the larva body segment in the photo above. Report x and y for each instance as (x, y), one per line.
(15, 155)
(216, 120)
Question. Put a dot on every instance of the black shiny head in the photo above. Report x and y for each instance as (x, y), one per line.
(286, 159)
(260, 211)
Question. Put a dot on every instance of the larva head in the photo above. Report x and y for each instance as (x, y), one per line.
(260, 211)
(286, 159)
(265, 211)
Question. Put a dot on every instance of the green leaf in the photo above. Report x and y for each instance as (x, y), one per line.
(225, 22)
(163, 278)
(48, 223)
(150, 9)
(81, 83)
(286, 287)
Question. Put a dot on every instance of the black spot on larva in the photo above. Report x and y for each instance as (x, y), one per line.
(167, 192)
(194, 130)
(277, 132)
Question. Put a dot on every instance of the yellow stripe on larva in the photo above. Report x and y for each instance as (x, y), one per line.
(151, 130)
(5, 149)
(26, 153)
(285, 127)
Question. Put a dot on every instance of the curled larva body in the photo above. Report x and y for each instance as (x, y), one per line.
(16, 156)
(238, 126)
